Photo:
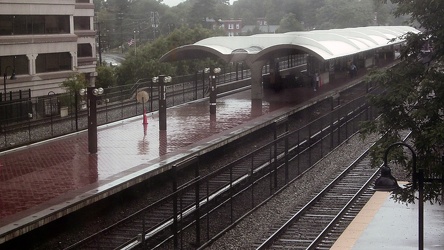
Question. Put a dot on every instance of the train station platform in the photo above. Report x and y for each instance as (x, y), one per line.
(42, 182)
(386, 224)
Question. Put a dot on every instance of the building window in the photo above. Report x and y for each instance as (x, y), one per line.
(52, 62)
(33, 25)
(82, 23)
(84, 50)
(19, 63)
(237, 26)
(230, 26)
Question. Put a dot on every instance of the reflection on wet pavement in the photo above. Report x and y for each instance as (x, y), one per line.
(38, 173)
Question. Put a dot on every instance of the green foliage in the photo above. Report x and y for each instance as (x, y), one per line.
(412, 100)
(413, 90)
(74, 83)
(121, 21)
(146, 63)
(290, 23)
(105, 77)
(203, 9)
(344, 14)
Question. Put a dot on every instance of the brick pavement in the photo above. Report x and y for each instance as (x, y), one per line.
(50, 179)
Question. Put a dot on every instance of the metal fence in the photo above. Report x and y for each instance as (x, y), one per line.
(254, 178)
(25, 119)
(35, 119)
(199, 211)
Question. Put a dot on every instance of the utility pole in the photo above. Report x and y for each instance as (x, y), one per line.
(100, 43)
(120, 18)
(154, 22)
(135, 41)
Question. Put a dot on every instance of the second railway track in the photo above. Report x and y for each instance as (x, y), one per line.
(321, 221)
(328, 132)
(226, 191)
(307, 227)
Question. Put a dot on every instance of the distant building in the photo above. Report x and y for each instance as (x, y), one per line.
(46, 41)
(232, 27)
(263, 29)
(261, 22)
(235, 27)
(261, 26)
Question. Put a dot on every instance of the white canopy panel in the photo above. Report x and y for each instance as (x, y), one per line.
(325, 44)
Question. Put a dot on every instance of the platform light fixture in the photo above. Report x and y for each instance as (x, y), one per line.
(95, 91)
(98, 91)
(386, 182)
(162, 80)
(213, 91)
(82, 92)
(92, 94)
(5, 76)
(215, 70)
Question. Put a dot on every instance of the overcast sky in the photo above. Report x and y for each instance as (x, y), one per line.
(176, 2)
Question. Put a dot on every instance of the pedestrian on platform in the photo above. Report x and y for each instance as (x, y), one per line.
(353, 70)
(316, 82)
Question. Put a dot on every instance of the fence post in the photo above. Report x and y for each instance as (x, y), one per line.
(151, 96)
(195, 85)
(162, 103)
(76, 110)
(203, 83)
(197, 217)
(174, 175)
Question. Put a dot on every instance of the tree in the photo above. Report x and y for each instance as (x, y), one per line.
(249, 10)
(344, 14)
(201, 10)
(290, 23)
(105, 77)
(311, 8)
(74, 83)
(146, 63)
(412, 98)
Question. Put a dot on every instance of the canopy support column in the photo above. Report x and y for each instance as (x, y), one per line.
(257, 92)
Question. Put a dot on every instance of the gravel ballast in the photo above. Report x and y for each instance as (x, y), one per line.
(257, 225)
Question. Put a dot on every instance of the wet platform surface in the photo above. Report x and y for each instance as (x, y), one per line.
(386, 224)
(35, 174)
(47, 180)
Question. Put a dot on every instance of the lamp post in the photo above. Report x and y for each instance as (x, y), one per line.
(135, 42)
(92, 94)
(5, 75)
(162, 80)
(213, 91)
(386, 182)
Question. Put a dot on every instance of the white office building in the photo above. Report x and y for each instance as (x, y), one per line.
(44, 42)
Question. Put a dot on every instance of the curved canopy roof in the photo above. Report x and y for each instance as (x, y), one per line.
(323, 44)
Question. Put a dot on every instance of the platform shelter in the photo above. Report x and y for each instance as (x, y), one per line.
(326, 51)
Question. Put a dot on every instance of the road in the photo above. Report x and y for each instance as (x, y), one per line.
(113, 59)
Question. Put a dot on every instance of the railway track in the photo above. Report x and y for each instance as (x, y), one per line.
(160, 224)
(306, 227)
(182, 212)
(319, 223)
